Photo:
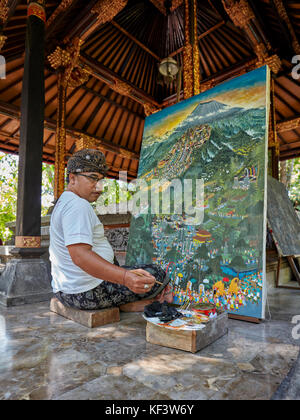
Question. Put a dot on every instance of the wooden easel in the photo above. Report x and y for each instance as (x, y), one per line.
(245, 318)
(284, 228)
(294, 269)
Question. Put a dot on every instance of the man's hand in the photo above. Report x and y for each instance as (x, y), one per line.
(138, 280)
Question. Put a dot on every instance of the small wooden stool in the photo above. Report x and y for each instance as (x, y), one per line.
(193, 340)
(89, 319)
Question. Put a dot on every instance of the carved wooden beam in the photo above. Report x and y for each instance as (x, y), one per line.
(87, 141)
(291, 154)
(70, 75)
(243, 16)
(119, 85)
(12, 111)
(285, 18)
(61, 9)
(101, 12)
(207, 84)
(287, 125)
(136, 41)
(201, 36)
(290, 146)
(160, 5)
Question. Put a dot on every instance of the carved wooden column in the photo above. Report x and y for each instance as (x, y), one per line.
(60, 141)
(191, 56)
(27, 277)
(69, 75)
(273, 143)
(31, 130)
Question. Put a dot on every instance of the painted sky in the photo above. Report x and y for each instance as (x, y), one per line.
(246, 91)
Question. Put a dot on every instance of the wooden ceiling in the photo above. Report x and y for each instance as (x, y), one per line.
(128, 49)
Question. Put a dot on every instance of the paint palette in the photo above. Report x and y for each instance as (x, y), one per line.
(205, 309)
(190, 321)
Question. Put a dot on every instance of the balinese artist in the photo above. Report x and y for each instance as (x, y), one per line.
(85, 274)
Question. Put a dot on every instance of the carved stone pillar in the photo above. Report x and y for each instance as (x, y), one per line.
(191, 56)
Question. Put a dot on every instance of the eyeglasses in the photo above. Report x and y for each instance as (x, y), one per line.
(93, 178)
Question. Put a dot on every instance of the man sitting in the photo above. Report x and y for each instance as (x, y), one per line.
(84, 275)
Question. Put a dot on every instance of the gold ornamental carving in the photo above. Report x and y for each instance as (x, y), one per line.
(160, 5)
(77, 77)
(37, 9)
(106, 10)
(274, 63)
(86, 142)
(273, 129)
(239, 12)
(4, 9)
(188, 71)
(261, 52)
(59, 58)
(150, 109)
(121, 87)
(67, 61)
(28, 241)
(191, 55)
(2, 41)
(60, 140)
(207, 85)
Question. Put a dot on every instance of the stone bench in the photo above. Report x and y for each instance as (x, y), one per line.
(91, 319)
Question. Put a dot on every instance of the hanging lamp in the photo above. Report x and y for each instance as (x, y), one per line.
(168, 67)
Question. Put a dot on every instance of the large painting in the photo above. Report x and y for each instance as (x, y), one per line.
(201, 212)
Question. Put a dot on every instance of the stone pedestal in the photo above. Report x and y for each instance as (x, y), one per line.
(26, 278)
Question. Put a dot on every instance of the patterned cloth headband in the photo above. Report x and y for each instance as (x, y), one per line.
(87, 160)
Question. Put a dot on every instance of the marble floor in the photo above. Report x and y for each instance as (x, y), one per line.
(44, 356)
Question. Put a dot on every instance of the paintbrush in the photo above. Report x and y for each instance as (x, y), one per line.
(143, 275)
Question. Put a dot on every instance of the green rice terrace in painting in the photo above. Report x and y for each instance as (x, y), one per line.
(219, 137)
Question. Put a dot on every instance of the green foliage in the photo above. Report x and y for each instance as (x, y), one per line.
(9, 187)
(8, 193)
(294, 189)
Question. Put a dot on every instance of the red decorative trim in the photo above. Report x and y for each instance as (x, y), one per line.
(34, 9)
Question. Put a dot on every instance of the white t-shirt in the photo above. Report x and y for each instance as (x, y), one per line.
(74, 221)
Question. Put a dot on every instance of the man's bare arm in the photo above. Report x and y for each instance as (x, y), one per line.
(96, 266)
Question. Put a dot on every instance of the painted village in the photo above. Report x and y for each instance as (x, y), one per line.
(218, 260)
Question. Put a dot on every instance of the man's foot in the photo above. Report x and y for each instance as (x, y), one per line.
(136, 306)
